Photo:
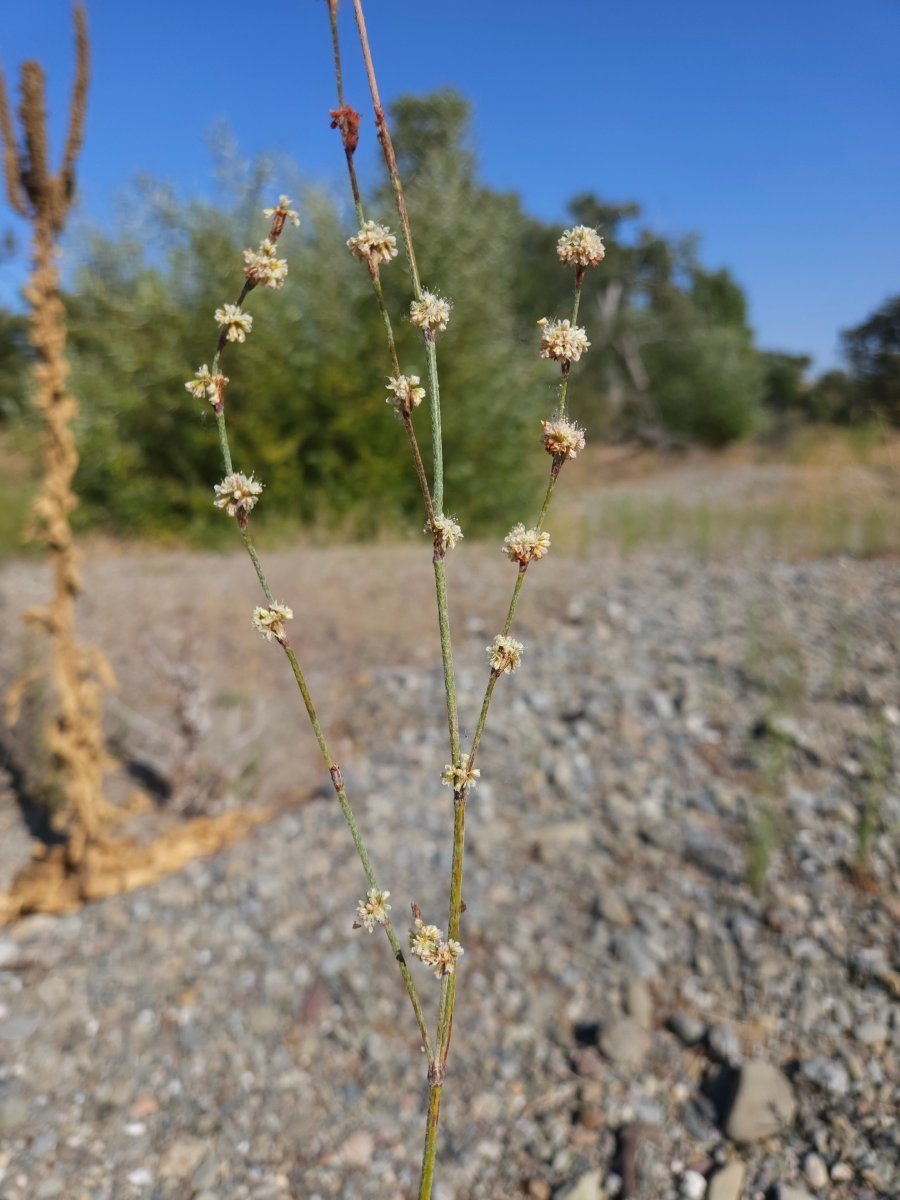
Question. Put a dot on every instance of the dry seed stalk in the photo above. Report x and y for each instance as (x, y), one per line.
(81, 673)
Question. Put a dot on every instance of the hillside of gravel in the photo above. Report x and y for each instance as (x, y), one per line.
(682, 929)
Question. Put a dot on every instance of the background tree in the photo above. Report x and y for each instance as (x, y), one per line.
(872, 351)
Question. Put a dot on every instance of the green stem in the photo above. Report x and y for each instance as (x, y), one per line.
(440, 585)
(426, 1180)
(437, 437)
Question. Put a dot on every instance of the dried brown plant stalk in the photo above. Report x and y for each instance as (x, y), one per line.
(81, 673)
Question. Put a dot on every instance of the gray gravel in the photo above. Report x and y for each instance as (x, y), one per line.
(226, 1034)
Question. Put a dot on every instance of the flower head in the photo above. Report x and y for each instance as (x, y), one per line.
(372, 911)
(427, 943)
(270, 621)
(431, 313)
(562, 341)
(263, 266)
(208, 385)
(373, 243)
(460, 778)
(446, 531)
(523, 545)
(505, 654)
(235, 324)
(407, 393)
(281, 213)
(562, 437)
(581, 247)
(237, 494)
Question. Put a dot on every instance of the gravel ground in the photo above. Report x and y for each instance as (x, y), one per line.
(634, 1019)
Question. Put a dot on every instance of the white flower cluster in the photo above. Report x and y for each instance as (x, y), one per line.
(263, 265)
(562, 341)
(207, 385)
(407, 393)
(431, 313)
(461, 778)
(372, 911)
(562, 437)
(581, 247)
(373, 242)
(237, 494)
(505, 654)
(446, 530)
(270, 621)
(523, 545)
(427, 943)
(281, 212)
(236, 324)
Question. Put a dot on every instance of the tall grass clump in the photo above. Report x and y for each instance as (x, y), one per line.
(561, 342)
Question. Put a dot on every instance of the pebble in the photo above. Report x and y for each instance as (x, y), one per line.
(724, 1045)
(229, 1023)
(816, 1171)
(587, 1187)
(181, 1158)
(688, 1029)
(639, 1002)
(727, 1183)
(763, 1103)
(827, 1073)
(625, 1042)
(692, 1185)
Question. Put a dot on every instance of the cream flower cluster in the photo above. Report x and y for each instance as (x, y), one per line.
(427, 943)
(270, 621)
(446, 530)
(505, 654)
(562, 341)
(562, 437)
(237, 494)
(461, 778)
(431, 313)
(373, 910)
(264, 266)
(236, 324)
(523, 545)
(581, 247)
(373, 242)
(208, 385)
(407, 393)
(282, 212)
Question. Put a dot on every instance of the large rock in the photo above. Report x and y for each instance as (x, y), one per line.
(763, 1103)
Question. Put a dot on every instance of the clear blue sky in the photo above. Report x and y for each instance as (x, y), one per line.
(769, 129)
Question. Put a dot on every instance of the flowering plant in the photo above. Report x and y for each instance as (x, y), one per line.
(562, 342)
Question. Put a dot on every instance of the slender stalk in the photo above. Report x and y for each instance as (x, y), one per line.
(440, 583)
(390, 158)
(426, 1179)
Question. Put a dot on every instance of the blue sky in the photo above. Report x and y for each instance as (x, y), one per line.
(768, 129)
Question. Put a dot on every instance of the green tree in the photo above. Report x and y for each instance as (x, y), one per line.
(786, 391)
(872, 351)
(15, 358)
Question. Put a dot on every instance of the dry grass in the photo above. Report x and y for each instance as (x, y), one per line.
(835, 493)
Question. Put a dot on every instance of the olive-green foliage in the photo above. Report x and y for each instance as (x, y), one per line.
(306, 402)
(872, 351)
(706, 378)
(14, 363)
